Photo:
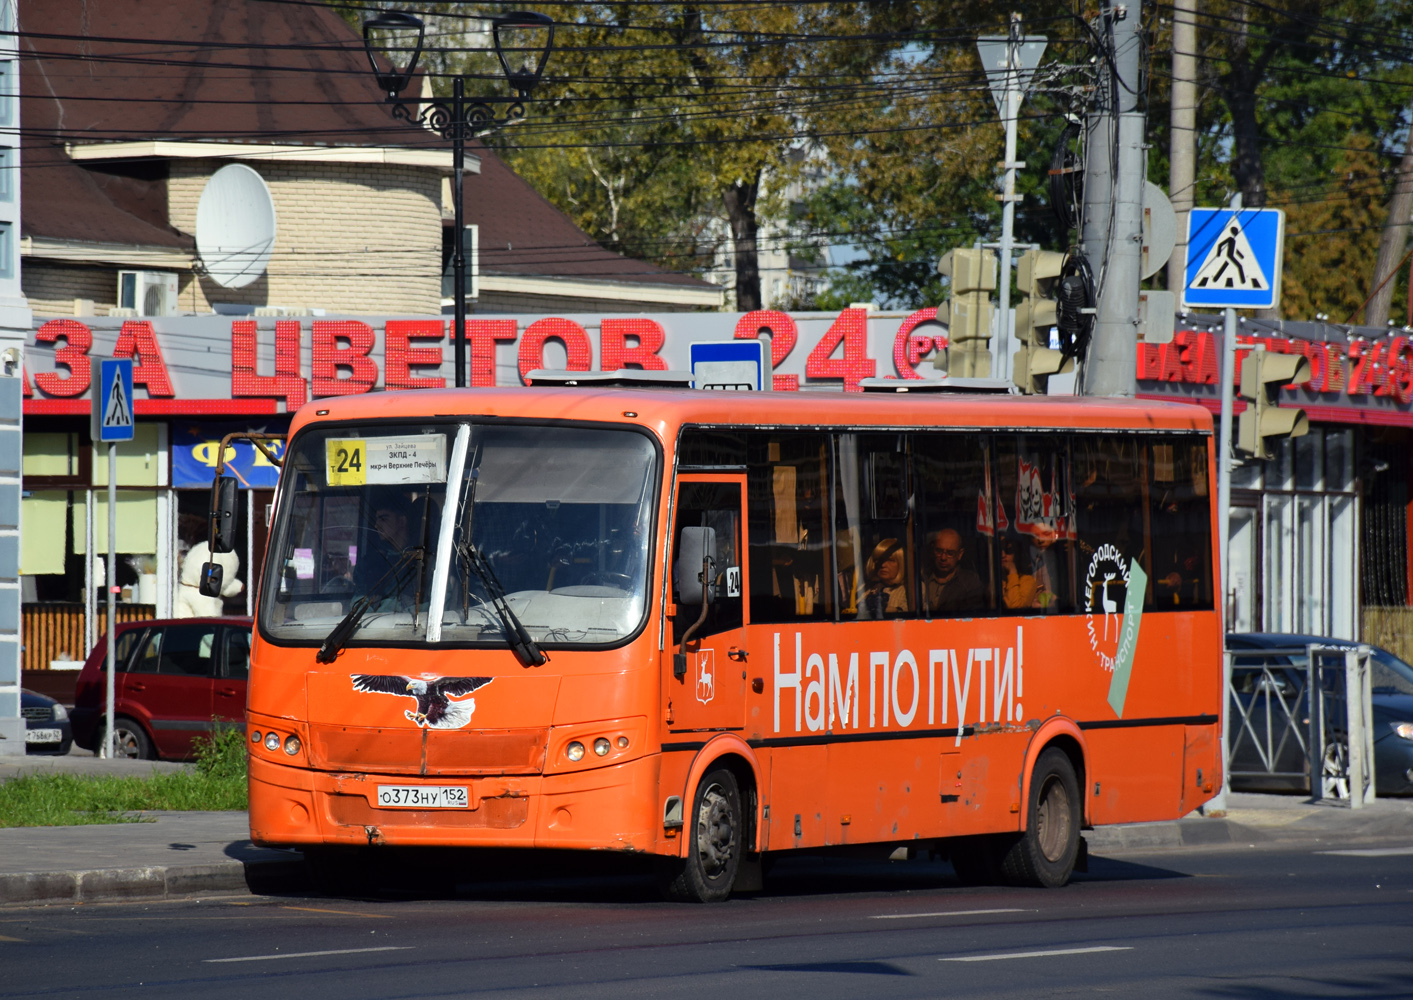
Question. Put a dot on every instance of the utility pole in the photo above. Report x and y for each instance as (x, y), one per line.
(1182, 131)
(1010, 64)
(1014, 93)
(1109, 368)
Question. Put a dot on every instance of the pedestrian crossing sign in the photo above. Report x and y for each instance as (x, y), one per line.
(112, 399)
(1233, 258)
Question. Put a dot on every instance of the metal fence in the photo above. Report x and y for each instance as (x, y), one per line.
(1299, 712)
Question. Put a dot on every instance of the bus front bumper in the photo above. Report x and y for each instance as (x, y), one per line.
(604, 808)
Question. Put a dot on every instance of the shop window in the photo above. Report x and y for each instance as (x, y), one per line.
(193, 530)
(141, 461)
(787, 475)
(55, 459)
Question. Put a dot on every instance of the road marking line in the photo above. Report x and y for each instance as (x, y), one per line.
(1036, 954)
(1373, 852)
(946, 913)
(342, 913)
(13, 940)
(309, 954)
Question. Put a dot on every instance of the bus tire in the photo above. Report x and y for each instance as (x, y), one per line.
(1044, 856)
(715, 828)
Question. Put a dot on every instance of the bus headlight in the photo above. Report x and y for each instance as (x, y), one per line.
(601, 747)
(575, 751)
(255, 736)
(291, 745)
(272, 741)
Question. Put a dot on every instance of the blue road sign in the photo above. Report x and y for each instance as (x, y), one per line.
(1233, 258)
(728, 364)
(112, 399)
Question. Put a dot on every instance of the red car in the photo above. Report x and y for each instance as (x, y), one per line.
(174, 676)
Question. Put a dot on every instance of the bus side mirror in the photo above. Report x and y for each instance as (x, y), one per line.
(696, 545)
(223, 517)
(212, 576)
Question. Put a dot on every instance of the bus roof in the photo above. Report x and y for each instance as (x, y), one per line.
(666, 409)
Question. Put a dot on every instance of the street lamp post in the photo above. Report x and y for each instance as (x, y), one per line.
(523, 41)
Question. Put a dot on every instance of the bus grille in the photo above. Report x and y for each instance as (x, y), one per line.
(428, 751)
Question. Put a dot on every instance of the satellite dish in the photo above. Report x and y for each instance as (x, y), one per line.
(235, 226)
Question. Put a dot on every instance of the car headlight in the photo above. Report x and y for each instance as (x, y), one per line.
(1403, 729)
(61, 714)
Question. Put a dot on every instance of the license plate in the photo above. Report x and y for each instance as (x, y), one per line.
(423, 797)
(43, 735)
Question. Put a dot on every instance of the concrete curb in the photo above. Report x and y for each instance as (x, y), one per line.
(151, 882)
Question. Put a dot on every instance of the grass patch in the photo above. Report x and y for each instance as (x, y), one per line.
(218, 782)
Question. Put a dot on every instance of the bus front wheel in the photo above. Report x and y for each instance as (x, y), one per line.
(716, 826)
(1044, 856)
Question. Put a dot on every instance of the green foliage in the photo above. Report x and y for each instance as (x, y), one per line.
(222, 756)
(218, 782)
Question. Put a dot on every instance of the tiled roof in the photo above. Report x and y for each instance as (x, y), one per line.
(522, 234)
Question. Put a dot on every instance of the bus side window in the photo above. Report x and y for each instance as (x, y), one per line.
(1181, 571)
(716, 506)
(1037, 532)
(787, 477)
(955, 535)
(873, 532)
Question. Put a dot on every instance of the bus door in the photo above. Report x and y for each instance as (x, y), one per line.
(706, 680)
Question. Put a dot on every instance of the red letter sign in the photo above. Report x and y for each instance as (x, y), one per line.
(150, 370)
(399, 356)
(73, 355)
(614, 352)
(286, 381)
(567, 332)
(783, 334)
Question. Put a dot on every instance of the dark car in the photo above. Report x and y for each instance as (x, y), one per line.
(47, 726)
(1275, 709)
(174, 676)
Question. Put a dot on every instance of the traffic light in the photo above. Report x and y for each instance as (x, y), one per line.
(968, 314)
(1262, 376)
(1036, 313)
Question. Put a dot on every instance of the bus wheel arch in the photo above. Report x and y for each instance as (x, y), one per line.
(1064, 735)
(729, 751)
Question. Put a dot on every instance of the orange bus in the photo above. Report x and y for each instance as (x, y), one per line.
(710, 626)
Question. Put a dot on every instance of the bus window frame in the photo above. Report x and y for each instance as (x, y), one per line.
(284, 510)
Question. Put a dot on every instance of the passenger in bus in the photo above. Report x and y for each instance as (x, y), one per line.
(947, 584)
(389, 545)
(1017, 574)
(1045, 562)
(885, 595)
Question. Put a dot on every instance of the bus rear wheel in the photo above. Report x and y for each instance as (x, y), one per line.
(1045, 854)
(716, 826)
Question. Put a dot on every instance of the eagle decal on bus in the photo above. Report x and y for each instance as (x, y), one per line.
(434, 695)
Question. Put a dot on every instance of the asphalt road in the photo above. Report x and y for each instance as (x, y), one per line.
(1244, 923)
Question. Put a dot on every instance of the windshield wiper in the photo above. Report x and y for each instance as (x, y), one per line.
(526, 650)
(341, 633)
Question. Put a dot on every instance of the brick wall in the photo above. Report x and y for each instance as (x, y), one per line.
(359, 238)
(51, 288)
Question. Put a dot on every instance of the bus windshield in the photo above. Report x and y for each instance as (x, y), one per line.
(556, 518)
